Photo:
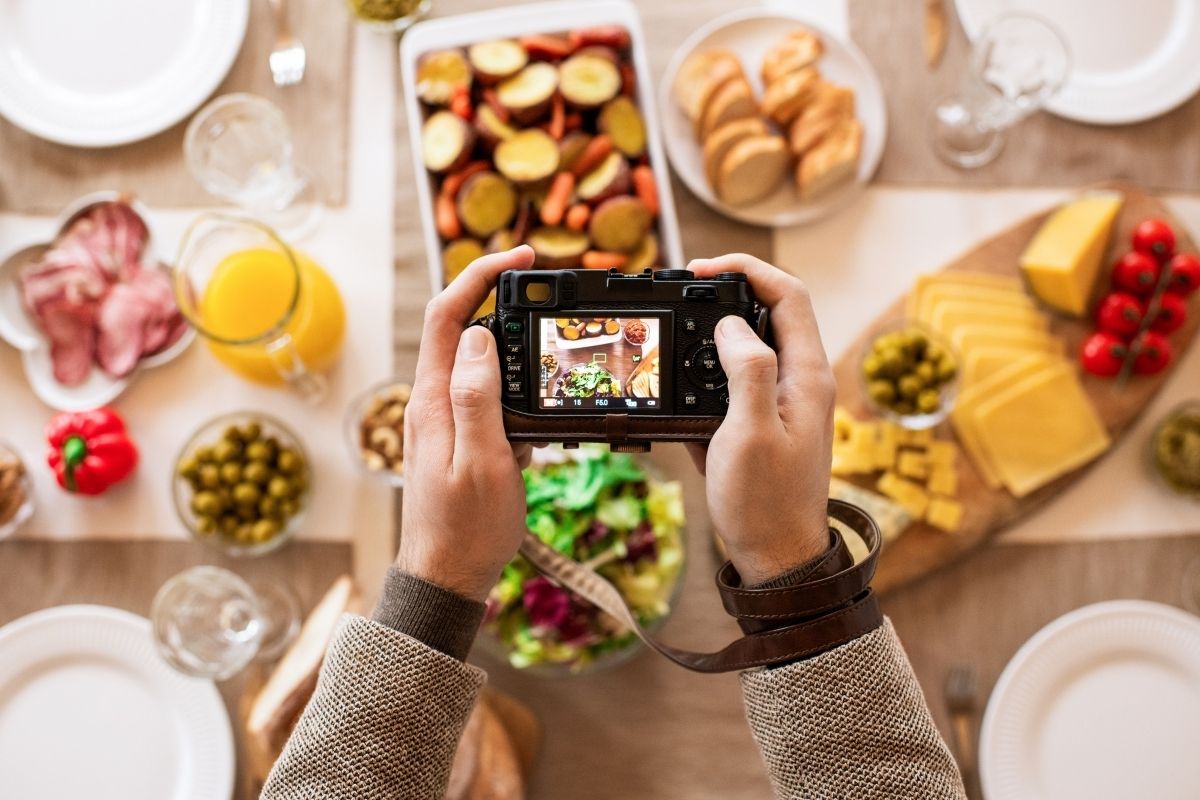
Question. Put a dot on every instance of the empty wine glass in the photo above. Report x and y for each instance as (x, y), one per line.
(1017, 64)
(209, 623)
(239, 148)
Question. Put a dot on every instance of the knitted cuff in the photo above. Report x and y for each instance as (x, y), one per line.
(428, 613)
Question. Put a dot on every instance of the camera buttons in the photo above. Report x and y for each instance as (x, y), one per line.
(731, 276)
(690, 399)
(514, 388)
(674, 275)
(514, 326)
(689, 325)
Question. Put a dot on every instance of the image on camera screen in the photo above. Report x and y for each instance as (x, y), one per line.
(598, 362)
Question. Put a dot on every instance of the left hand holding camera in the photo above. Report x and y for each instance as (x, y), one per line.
(464, 506)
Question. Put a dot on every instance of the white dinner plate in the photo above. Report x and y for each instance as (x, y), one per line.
(748, 34)
(98, 74)
(1129, 61)
(88, 709)
(1101, 704)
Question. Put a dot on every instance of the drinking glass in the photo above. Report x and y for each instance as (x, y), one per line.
(239, 148)
(209, 623)
(389, 16)
(1017, 64)
(268, 312)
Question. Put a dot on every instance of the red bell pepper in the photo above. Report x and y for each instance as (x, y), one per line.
(90, 450)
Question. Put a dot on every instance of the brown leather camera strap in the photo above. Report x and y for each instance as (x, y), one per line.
(831, 605)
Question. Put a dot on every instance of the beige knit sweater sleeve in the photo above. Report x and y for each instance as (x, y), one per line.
(388, 711)
(850, 723)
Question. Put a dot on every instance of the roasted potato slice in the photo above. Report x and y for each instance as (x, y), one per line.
(588, 80)
(558, 248)
(440, 75)
(529, 156)
(622, 121)
(528, 93)
(620, 224)
(609, 179)
(486, 203)
(446, 142)
(498, 59)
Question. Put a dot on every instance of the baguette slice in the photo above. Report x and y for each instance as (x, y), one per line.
(275, 708)
(832, 161)
(787, 97)
(693, 76)
(752, 169)
(829, 105)
(722, 140)
(721, 75)
(798, 50)
(734, 100)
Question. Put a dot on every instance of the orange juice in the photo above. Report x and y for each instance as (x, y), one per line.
(248, 295)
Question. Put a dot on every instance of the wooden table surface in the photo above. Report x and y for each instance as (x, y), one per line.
(645, 728)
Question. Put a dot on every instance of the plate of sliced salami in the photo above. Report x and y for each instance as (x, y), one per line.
(92, 307)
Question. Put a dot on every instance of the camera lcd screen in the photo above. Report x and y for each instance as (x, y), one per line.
(599, 362)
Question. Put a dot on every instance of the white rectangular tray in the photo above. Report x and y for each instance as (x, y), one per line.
(464, 29)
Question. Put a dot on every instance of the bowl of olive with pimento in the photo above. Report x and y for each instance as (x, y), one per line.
(241, 483)
(910, 375)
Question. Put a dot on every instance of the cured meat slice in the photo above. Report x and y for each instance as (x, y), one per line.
(110, 235)
(121, 324)
(164, 324)
(70, 327)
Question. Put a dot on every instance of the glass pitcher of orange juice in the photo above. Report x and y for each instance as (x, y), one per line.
(268, 312)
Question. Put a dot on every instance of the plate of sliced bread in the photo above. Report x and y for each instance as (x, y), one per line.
(770, 119)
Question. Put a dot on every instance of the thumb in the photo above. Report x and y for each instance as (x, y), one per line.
(475, 398)
(753, 371)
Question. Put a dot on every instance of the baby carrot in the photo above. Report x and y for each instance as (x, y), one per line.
(595, 152)
(577, 216)
(600, 259)
(446, 216)
(646, 188)
(557, 126)
(557, 199)
(455, 180)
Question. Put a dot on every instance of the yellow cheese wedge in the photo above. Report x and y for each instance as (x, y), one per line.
(949, 317)
(959, 281)
(934, 296)
(1063, 260)
(1039, 429)
(968, 337)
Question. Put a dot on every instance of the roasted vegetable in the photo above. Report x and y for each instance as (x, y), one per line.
(599, 259)
(445, 142)
(588, 80)
(646, 188)
(597, 150)
(544, 47)
(609, 179)
(457, 255)
(528, 93)
(498, 59)
(644, 256)
(491, 128)
(439, 74)
(607, 35)
(619, 224)
(577, 216)
(557, 199)
(622, 121)
(557, 248)
(486, 203)
(528, 157)
(571, 147)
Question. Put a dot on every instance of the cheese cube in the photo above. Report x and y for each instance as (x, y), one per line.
(886, 444)
(912, 497)
(943, 480)
(941, 454)
(944, 514)
(920, 438)
(912, 464)
(1063, 260)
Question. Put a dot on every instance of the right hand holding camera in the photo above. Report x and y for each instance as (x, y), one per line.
(767, 466)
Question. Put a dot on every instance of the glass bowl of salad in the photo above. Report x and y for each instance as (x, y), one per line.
(613, 513)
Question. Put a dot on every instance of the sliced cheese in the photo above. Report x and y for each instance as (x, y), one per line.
(968, 337)
(983, 362)
(935, 295)
(1039, 428)
(1063, 260)
(949, 317)
(960, 280)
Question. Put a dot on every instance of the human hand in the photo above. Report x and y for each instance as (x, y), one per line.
(464, 499)
(767, 466)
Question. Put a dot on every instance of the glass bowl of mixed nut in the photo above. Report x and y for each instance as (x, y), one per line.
(241, 483)
(375, 430)
(16, 494)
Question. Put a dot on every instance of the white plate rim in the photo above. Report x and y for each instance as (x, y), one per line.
(1026, 657)
(219, 60)
(1089, 106)
(203, 700)
(802, 212)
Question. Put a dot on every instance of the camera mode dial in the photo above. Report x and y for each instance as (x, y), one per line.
(674, 275)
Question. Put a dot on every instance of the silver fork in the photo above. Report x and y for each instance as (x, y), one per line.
(962, 703)
(288, 58)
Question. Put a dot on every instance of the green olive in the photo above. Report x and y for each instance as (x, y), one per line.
(206, 503)
(946, 369)
(204, 455)
(289, 461)
(927, 373)
(892, 363)
(189, 467)
(268, 507)
(228, 524)
(882, 392)
(206, 525)
(289, 509)
(909, 386)
(245, 532)
(210, 476)
(225, 450)
(279, 487)
(928, 401)
(264, 529)
(232, 434)
(258, 451)
(231, 473)
(256, 472)
(251, 431)
(246, 494)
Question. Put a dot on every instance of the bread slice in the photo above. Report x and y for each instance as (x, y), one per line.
(832, 161)
(799, 49)
(692, 80)
(720, 141)
(734, 100)
(721, 74)
(787, 97)
(829, 105)
(752, 169)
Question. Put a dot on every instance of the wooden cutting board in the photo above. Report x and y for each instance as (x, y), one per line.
(922, 548)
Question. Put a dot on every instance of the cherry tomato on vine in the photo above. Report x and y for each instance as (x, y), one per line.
(1103, 354)
(1136, 272)
(1171, 314)
(1154, 238)
(1183, 274)
(1120, 313)
(1152, 353)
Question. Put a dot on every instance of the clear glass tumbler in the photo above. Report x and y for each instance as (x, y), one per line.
(209, 623)
(1017, 64)
(239, 148)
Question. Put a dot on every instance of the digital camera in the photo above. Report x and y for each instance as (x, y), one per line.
(592, 356)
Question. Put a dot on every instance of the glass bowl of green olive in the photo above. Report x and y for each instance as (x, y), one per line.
(241, 483)
(909, 375)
